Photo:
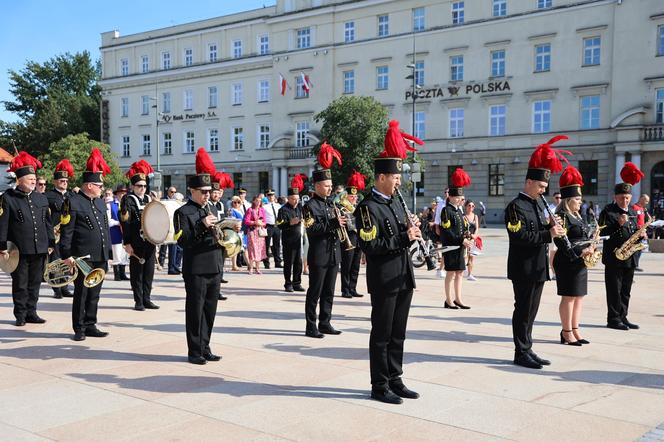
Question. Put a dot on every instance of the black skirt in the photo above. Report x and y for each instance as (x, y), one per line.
(455, 260)
(571, 277)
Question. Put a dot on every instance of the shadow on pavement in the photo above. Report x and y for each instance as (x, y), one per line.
(78, 352)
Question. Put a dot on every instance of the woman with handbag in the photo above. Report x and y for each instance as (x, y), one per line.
(254, 220)
(473, 223)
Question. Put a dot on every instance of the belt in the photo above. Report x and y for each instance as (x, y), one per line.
(270, 225)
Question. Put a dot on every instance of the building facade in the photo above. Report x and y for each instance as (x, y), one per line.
(481, 81)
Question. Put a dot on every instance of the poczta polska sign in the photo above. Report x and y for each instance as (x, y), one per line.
(460, 90)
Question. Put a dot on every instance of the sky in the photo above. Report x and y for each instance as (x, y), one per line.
(37, 30)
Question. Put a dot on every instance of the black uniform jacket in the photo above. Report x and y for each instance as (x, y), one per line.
(56, 201)
(577, 231)
(201, 254)
(608, 223)
(321, 224)
(26, 222)
(130, 220)
(291, 235)
(382, 226)
(529, 236)
(453, 226)
(84, 228)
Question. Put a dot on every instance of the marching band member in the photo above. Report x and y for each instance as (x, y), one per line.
(289, 221)
(220, 181)
(350, 259)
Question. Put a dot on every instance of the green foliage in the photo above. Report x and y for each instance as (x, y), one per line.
(57, 98)
(77, 148)
(356, 127)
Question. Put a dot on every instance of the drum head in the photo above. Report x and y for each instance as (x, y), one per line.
(9, 264)
(156, 222)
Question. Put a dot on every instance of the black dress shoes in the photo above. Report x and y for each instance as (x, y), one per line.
(211, 357)
(278, 266)
(329, 330)
(402, 391)
(314, 334)
(299, 288)
(454, 307)
(387, 396)
(66, 293)
(617, 326)
(34, 320)
(151, 305)
(289, 288)
(525, 360)
(58, 294)
(538, 359)
(630, 325)
(223, 281)
(79, 336)
(20, 322)
(139, 307)
(461, 306)
(346, 295)
(199, 360)
(95, 333)
(174, 272)
(222, 297)
(356, 295)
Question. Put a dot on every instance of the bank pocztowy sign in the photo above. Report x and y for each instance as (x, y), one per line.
(459, 90)
(167, 118)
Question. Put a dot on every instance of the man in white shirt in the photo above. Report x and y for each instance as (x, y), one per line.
(245, 205)
(440, 273)
(273, 238)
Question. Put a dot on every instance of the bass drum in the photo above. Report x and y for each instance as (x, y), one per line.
(157, 221)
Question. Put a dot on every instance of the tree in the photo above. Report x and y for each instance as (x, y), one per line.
(52, 100)
(355, 126)
(77, 148)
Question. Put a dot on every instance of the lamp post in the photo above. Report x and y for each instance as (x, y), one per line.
(415, 87)
(157, 175)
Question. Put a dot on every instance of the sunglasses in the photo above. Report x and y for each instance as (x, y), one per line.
(140, 185)
(99, 186)
(41, 184)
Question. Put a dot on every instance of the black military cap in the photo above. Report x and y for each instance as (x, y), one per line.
(570, 191)
(321, 175)
(138, 177)
(351, 190)
(242, 190)
(269, 192)
(216, 185)
(388, 165)
(293, 191)
(538, 174)
(202, 181)
(622, 188)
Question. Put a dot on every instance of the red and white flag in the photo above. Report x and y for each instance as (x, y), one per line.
(306, 84)
(282, 84)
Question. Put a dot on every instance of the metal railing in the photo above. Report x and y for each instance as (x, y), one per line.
(299, 153)
(653, 133)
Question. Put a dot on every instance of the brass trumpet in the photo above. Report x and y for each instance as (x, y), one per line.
(58, 273)
(342, 233)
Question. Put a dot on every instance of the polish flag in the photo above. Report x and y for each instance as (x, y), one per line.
(282, 84)
(306, 85)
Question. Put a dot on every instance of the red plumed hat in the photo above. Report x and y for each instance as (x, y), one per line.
(327, 155)
(63, 169)
(225, 181)
(546, 160)
(395, 144)
(204, 163)
(459, 179)
(631, 174)
(95, 167)
(570, 182)
(139, 171)
(24, 164)
(356, 181)
(298, 182)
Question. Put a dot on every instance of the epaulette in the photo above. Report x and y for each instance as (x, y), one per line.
(280, 221)
(514, 223)
(447, 223)
(368, 232)
(308, 217)
(124, 213)
(2, 201)
(65, 217)
(176, 227)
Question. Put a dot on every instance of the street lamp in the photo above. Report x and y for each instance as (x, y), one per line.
(415, 87)
(157, 175)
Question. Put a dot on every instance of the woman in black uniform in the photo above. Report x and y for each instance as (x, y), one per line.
(571, 272)
(454, 232)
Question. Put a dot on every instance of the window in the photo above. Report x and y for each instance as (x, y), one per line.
(167, 143)
(543, 57)
(304, 38)
(126, 147)
(264, 45)
(263, 91)
(383, 25)
(212, 52)
(146, 145)
(165, 60)
(189, 142)
(588, 170)
(125, 107)
(145, 105)
(188, 57)
(238, 138)
(543, 4)
(456, 68)
(300, 91)
(499, 8)
(542, 116)
(124, 67)
(213, 96)
(419, 185)
(263, 135)
(591, 51)
(418, 19)
(496, 179)
(589, 112)
(237, 179)
(349, 31)
(213, 140)
(236, 93)
(419, 73)
(659, 106)
(420, 125)
(145, 64)
(263, 179)
(302, 134)
(457, 13)
(498, 63)
(497, 120)
(456, 123)
(166, 102)
(237, 48)
(660, 40)
(382, 78)
(188, 101)
(349, 82)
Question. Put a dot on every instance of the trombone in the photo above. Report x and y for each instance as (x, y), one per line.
(59, 274)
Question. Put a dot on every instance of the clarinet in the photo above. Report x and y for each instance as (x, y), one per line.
(423, 247)
(568, 244)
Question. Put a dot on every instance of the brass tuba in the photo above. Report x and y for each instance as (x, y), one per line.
(225, 234)
(632, 245)
(58, 273)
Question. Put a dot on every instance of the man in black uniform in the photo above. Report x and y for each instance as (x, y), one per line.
(618, 222)
(201, 263)
(56, 200)
(24, 220)
(84, 231)
(350, 259)
(527, 261)
(289, 221)
(138, 248)
(385, 239)
(215, 201)
(321, 223)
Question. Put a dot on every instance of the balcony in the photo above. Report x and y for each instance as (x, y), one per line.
(653, 133)
(298, 153)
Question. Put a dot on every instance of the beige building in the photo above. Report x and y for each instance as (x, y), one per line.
(493, 79)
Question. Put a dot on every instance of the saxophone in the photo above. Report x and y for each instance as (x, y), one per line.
(591, 260)
(632, 245)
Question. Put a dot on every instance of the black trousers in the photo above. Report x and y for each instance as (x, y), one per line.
(26, 280)
(292, 264)
(273, 243)
(141, 277)
(618, 283)
(527, 295)
(389, 317)
(86, 300)
(200, 310)
(350, 270)
(322, 280)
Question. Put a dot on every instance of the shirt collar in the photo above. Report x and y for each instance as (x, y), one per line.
(385, 197)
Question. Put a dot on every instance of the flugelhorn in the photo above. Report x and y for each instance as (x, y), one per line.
(342, 233)
(58, 273)
(426, 253)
